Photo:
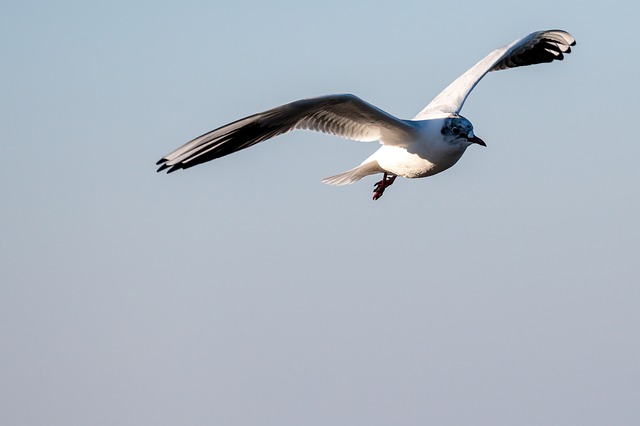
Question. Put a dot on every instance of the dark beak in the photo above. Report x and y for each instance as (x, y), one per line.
(477, 140)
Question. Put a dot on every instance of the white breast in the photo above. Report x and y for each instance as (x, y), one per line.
(426, 155)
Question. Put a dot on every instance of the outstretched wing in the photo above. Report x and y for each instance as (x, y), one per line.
(536, 48)
(343, 115)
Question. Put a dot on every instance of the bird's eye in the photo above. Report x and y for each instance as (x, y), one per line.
(455, 130)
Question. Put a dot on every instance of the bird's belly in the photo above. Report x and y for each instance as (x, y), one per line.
(407, 164)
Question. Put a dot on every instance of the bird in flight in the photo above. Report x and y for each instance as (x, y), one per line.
(429, 143)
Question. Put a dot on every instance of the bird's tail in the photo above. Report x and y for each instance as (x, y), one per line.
(355, 174)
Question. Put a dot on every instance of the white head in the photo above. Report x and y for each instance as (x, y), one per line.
(457, 130)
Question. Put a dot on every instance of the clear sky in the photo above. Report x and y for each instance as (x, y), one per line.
(504, 291)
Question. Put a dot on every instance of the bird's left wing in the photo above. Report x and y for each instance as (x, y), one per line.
(343, 115)
(536, 48)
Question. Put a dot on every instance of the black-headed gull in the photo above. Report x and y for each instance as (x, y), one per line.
(431, 142)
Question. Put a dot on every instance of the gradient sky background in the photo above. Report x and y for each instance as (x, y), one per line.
(244, 292)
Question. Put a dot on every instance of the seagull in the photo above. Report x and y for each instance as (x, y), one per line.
(429, 143)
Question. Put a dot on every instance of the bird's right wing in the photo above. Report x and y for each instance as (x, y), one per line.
(536, 48)
(343, 115)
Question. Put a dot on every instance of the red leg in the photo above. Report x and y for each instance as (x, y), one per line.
(382, 185)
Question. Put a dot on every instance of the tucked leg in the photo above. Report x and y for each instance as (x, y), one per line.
(386, 181)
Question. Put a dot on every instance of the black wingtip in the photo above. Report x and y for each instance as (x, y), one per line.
(162, 167)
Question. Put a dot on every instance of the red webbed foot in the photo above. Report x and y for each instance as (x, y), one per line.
(386, 181)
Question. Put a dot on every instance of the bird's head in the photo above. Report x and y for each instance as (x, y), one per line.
(458, 130)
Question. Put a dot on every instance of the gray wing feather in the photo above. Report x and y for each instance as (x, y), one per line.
(343, 115)
(536, 48)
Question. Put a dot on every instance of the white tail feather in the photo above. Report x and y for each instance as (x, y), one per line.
(355, 174)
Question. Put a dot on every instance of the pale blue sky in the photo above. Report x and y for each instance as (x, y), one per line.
(245, 292)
